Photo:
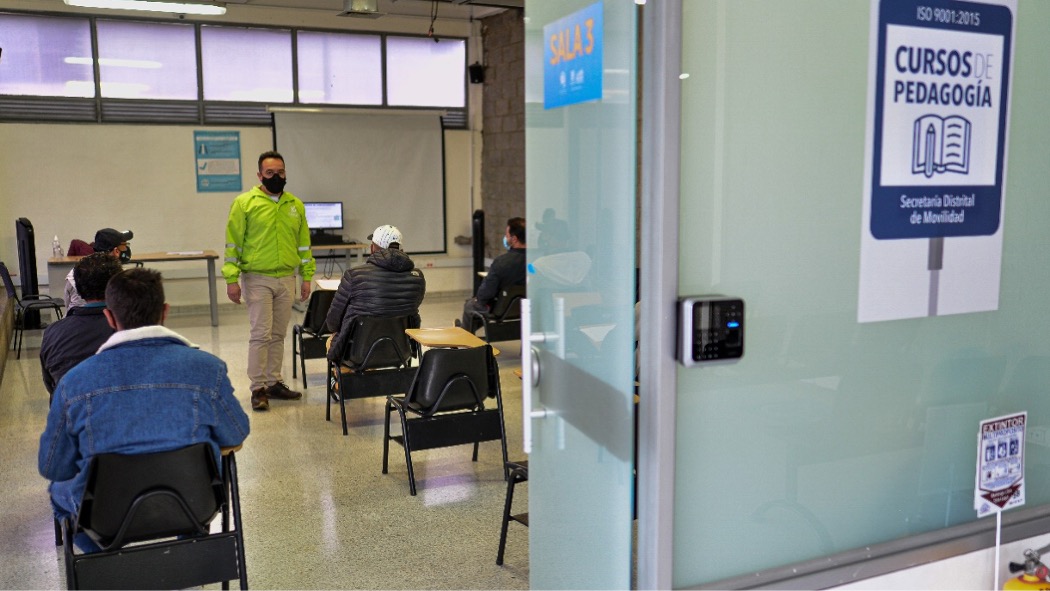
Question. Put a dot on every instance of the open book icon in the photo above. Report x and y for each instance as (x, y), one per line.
(941, 144)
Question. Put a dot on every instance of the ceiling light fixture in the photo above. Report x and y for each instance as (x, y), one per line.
(152, 6)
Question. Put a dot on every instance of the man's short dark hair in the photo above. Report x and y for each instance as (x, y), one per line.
(517, 228)
(136, 297)
(269, 154)
(93, 272)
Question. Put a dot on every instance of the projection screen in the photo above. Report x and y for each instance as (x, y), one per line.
(386, 169)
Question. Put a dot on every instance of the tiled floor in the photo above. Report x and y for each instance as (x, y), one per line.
(318, 514)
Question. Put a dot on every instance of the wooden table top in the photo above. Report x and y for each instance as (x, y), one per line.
(151, 257)
(451, 336)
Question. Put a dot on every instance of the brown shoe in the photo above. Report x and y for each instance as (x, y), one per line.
(259, 399)
(282, 392)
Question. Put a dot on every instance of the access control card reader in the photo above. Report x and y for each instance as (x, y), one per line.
(710, 328)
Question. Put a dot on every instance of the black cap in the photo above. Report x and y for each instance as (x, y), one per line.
(107, 239)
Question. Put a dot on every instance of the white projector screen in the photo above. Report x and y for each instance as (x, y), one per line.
(386, 169)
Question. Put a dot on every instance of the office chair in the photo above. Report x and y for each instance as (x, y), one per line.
(445, 405)
(308, 338)
(150, 515)
(25, 304)
(376, 361)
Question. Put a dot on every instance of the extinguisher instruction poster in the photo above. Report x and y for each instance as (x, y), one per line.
(1000, 464)
(935, 157)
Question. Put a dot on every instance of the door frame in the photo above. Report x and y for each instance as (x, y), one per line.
(660, 155)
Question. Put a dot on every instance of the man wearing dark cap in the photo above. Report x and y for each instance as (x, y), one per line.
(387, 284)
(107, 240)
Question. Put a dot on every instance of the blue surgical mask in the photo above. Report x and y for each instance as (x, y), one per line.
(505, 243)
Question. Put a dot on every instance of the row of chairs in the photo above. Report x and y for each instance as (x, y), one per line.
(501, 323)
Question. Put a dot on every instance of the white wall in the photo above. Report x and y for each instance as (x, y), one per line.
(71, 180)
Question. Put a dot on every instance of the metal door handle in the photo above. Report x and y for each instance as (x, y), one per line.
(530, 375)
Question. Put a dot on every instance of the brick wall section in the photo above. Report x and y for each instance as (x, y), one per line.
(503, 121)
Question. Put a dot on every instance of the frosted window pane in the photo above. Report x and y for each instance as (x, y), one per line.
(244, 64)
(340, 68)
(46, 56)
(422, 73)
(147, 60)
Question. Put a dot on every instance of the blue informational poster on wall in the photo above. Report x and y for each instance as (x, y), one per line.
(572, 58)
(218, 159)
(941, 99)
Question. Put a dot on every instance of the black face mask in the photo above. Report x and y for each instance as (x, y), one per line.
(274, 184)
(125, 255)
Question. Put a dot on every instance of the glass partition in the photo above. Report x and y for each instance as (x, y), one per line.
(829, 434)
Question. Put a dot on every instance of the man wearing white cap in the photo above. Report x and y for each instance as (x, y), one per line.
(387, 284)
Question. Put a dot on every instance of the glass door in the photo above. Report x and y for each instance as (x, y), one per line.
(580, 193)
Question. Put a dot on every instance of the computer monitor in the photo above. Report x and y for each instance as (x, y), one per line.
(326, 215)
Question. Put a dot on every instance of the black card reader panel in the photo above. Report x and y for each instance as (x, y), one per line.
(710, 328)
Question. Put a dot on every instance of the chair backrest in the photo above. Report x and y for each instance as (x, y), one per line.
(453, 379)
(9, 284)
(508, 303)
(378, 341)
(146, 496)
(317, 310)
(79, 248)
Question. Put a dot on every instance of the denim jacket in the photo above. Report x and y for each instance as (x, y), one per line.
(146, 390)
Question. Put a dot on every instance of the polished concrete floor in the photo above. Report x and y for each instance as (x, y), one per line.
(318, 512)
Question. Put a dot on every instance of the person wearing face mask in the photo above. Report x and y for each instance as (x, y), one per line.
(508, 269)
(109, 241)
(267, 244)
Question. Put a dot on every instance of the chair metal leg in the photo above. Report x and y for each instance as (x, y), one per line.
(302, 360)
(506, 522)
(518, 473)
(386, 436)
(295, 342)
(342, 408)
(408, 453)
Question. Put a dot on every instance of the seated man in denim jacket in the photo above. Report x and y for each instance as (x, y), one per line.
(147, 390)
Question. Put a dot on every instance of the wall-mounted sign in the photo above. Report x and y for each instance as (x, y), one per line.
(218, 160)
(1000, 464)
(572, 58)
(939, 77)
(940, 118)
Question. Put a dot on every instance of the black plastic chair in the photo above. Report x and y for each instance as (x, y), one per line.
(376, 361)
(308, 338)
(519, 472)
(151, 515)
(503, 321)
(445, 405)
(25, 304)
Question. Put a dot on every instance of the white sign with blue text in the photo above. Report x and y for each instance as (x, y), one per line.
(935, 166)
(572, 58)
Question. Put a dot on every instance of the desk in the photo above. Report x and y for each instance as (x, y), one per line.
(58, 268)
(327, 284)
(451, 337)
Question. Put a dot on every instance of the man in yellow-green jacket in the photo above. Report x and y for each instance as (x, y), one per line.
(267, 243)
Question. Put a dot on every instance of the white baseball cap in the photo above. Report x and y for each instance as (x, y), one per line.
(385, 235)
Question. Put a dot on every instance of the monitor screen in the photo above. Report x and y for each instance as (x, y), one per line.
(324, 215)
